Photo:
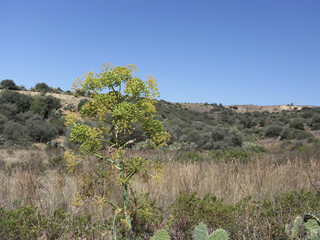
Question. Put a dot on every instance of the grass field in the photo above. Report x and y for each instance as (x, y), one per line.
(39, 178)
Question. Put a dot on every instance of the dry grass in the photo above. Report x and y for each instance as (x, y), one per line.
(261, 178)
(65, 99)
(201, 107)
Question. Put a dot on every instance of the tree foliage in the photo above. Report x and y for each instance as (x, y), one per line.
(8, 84)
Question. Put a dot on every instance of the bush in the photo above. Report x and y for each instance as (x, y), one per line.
(190, 156)
(189, 209)
(57, 161)
(22, 101)
(3, 120)
(43, 105)
(146, 218)
(81, 103)
(288, 134)
(273, 131)
(26, 222)
(70, 107)
(42, 87)
(297, 123)
(315, 122)
(9, 110)
(40, 130)
(15, 133)
(292, 133)
(8, 84)
(58, 124)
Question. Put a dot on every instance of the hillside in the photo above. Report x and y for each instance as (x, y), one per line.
(204, 107)
(231, 167)
(39, 117)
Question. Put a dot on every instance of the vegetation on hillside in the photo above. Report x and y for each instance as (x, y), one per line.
(252, 174)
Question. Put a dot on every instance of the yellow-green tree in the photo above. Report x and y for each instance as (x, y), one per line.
(120, 101)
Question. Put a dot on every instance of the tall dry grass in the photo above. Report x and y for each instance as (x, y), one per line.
(262, 177)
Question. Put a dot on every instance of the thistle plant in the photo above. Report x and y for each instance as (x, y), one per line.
(120, 102)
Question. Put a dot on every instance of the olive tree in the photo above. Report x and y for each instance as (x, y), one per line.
(120, 101)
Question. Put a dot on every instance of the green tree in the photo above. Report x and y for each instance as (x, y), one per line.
(120, 102)
(42, 87)
(43, 105)
(8, 84)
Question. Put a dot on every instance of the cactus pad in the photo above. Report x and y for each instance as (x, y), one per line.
(161, 235)
(200, 232)
(219, 234)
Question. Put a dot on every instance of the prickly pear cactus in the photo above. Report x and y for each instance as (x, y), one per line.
(219, 234)
(296, 228)
(200, 232)
(312, 225)
(161, 235)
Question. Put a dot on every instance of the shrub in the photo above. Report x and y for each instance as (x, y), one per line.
(42, 87)
(26, 222)
(70, 107)
(23, 117)
(3, 120)
(315, 122)
(237, 154)
(81, 103)
(56, 161)
(297, 123)
(53, 103)
(189, 209)
(236, 140)
(22, 223)
(15, 133)
(304, 135)
(146, 218)
(43, 105)
(9, 96)
(39, 105)
(190, 156)
(273, 131)
(58, 124)
(8, 110)
(8, 84)
(292, 133)
(22, 101)
(40, 130)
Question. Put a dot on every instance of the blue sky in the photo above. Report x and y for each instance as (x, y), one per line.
(263, 52)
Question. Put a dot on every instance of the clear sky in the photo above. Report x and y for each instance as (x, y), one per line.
(264, 52)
